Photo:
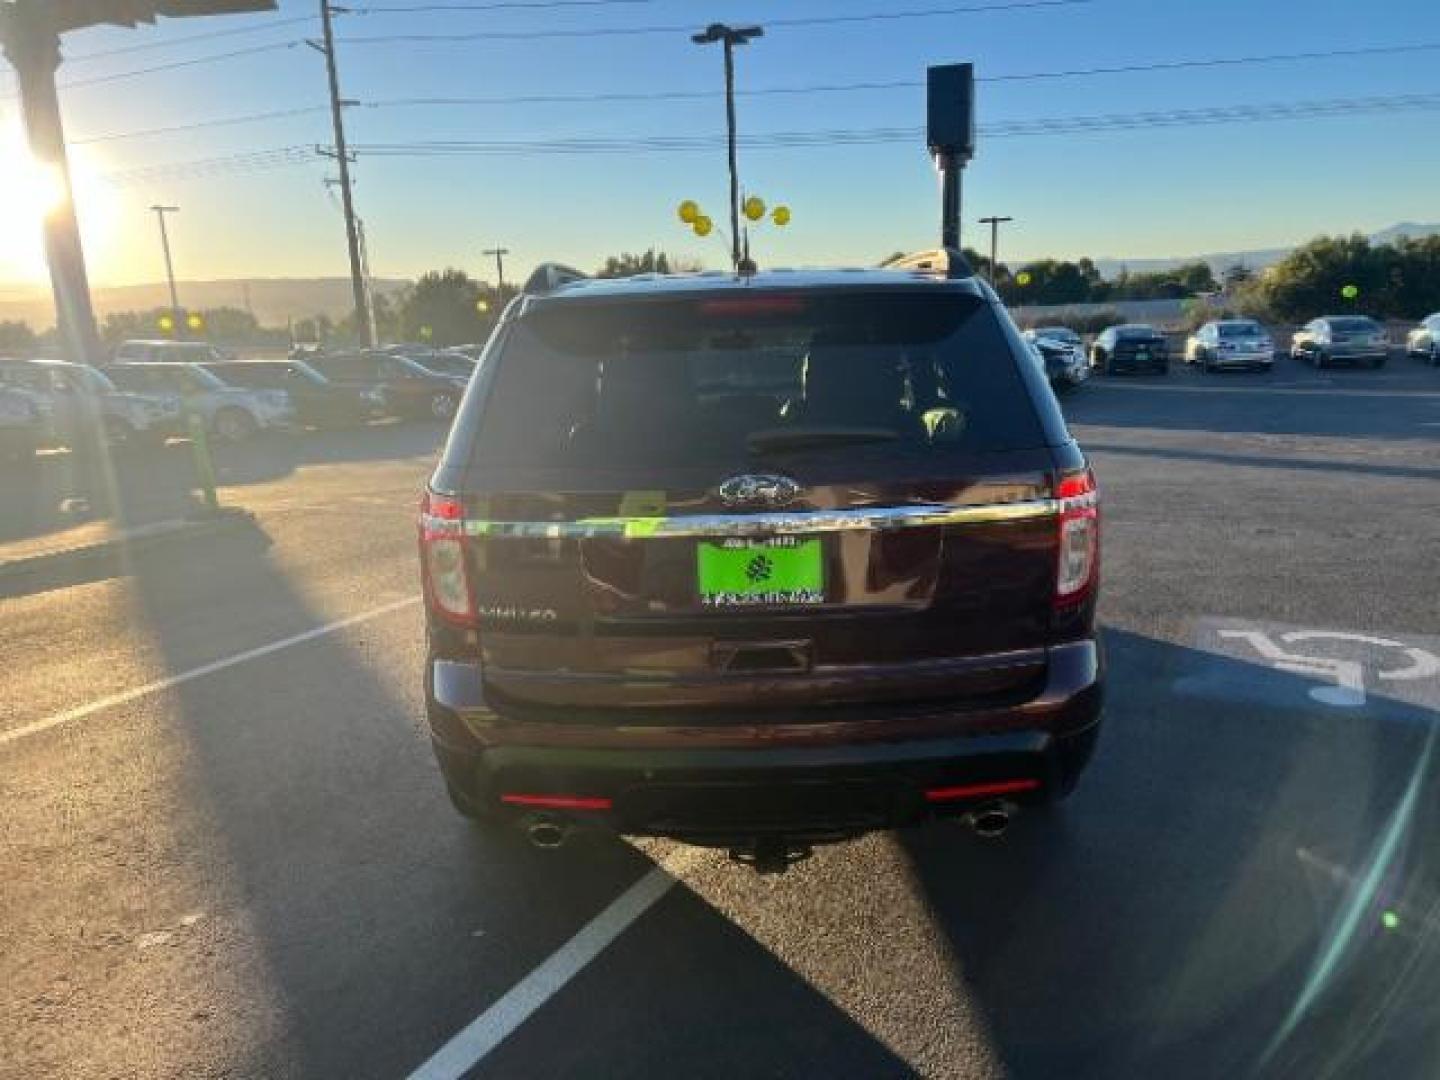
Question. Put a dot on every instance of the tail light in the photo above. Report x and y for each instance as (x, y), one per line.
(1079, 559)
(442, 557)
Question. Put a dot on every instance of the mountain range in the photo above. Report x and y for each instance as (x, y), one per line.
(276, 300)
(1255, 259)
(273, 300)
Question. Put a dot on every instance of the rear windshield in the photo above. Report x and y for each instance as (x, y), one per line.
(735, 379)
(1239, 329)
(1353, 326)
(1136, 332)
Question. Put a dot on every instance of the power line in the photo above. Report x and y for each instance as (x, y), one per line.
(213, 58)
(685, 28)
(903, 84)
(813, 88)
(1061, 125)
(275, 24)
(229, 121)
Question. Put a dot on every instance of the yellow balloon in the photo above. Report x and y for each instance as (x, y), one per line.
(165, 322)
(194, 322)
(754, 208)
(482, 305)
(1022, 278)
(781, 215)
(702, 225)
(688, 210)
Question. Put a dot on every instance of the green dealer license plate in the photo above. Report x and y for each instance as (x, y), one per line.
(778, 571)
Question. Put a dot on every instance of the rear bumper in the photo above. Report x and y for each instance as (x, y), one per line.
(1130, 362)
(723, 783)
(1242, 360)
(1356, 352)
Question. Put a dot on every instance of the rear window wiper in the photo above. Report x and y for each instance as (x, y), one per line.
(801, 438)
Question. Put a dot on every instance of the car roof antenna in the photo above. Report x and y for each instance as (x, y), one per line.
(746, 266)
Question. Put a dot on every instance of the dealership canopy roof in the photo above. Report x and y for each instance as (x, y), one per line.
(59, 16)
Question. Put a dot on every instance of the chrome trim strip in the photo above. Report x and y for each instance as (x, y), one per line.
(787, 523)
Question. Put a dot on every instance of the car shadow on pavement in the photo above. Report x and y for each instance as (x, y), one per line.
(1236, 889)
(145, 484)
(374, 921)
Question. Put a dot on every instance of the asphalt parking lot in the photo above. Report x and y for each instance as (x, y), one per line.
(225, 851)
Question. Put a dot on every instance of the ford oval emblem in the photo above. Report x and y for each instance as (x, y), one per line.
(759, 490)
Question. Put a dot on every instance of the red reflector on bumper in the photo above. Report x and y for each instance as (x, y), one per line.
(976, 791)
(558, 802)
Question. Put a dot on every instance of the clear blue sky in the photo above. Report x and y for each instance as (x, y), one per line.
(1137, 193)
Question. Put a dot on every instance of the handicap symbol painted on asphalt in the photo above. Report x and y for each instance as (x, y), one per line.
(1344, 675)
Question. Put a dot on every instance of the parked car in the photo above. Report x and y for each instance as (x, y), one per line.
(22, 424)
(317, 401)
(174, 352)
(760, 562)
(447, 363)
(82, 407)
(406, 388)
(1334, 338)
(1231, 343)
(1130, 347)
(1065, 366)
(1424, 340)
(232, 413)
(1062, 334)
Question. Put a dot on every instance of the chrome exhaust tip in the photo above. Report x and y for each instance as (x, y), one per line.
(548, 834)
(990, 822)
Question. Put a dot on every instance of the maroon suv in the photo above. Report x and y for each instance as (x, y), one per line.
(760, 562)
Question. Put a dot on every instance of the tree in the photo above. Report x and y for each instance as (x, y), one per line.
(16, 336)
(1048, 281)
(628, 265)
(225, 325)
(444, 309)
(1312, 279)
(1235, 276)
(317, 329)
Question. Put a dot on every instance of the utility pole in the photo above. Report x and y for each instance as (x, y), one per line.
(160, 212)
(342, 160)
(499, 253)
(729, 37)
(371, 328)
(994, 223)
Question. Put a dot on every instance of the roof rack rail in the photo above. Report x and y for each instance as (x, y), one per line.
(547, 277)
(943, 262)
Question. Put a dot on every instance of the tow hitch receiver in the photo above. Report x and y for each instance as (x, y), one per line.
(771, 854)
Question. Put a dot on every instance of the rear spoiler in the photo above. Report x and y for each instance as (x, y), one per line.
(948, 263)
(548, 277)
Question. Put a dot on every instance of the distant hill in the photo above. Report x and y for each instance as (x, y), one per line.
(273, 300)
(1255, 259)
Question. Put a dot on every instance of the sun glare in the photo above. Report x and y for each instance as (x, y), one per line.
(29, 190)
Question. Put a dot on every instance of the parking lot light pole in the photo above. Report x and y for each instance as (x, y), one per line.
(729, 37)
(160, 212)
(994, 223)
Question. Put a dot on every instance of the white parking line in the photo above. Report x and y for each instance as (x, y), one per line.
(125, 696)
(468, 1048)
